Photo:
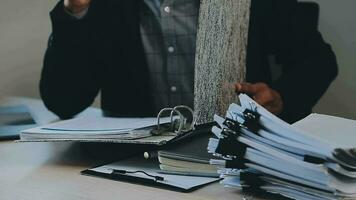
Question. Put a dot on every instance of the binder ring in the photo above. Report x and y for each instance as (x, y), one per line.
(191, 127)
(172, 111)
(182, 120)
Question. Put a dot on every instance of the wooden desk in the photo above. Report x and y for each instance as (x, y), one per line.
(51, 171)
(36, 171)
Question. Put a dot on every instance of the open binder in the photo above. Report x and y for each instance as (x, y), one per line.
(150, 131)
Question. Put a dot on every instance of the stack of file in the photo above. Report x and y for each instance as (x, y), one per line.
(172, 163)
(188, 157)
(257, 151)
(99, 129)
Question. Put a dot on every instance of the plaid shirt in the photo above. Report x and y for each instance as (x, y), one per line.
(168, 29)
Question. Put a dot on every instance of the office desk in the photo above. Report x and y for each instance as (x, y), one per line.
(51, 171)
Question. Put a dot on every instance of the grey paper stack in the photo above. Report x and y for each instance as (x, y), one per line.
(255, 150)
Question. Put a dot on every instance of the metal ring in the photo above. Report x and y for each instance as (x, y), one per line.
(181, 121)
(192, 114)
(159, 116)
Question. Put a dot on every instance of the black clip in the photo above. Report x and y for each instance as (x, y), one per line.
(252, 119)
(346, 156)
(232, 124)
(228, 133)
(230, 147)
(236, 163)
(313, 159)
(251, 179)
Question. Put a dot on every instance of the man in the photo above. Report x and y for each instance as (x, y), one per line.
(140, 55)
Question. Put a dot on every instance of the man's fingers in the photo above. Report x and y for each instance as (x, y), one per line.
(272, 103)
(247, 88)
(264, 97)
(272, 109)
(261, 99)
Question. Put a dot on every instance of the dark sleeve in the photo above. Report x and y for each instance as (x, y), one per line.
(69, 83)
(309, 64)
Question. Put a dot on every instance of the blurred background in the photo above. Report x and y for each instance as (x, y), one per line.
(25, 26)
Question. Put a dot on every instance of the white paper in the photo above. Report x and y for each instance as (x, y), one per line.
(102, 124)
(337, 132)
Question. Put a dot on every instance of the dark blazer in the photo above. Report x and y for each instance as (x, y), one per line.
(103, 52)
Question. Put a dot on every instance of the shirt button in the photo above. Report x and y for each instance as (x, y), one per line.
(167, 9)
(171, 49)
(173, 89)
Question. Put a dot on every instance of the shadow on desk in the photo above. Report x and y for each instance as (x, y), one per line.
(94, 154)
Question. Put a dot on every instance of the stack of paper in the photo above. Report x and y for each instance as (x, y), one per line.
(188, 157)
(98, 129)
(186, 165)
(258, 151)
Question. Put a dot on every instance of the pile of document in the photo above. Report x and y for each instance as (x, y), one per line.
(313, 159)
(172, 163)
(188, 157)
(99, 129)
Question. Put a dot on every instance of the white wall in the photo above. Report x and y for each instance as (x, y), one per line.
(25, 26)
(24, 29)
(338, 25)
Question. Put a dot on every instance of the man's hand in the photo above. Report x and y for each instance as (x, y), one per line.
(76, 6)
(263, 95)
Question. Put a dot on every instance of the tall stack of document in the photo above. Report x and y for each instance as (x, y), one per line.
(257, 151)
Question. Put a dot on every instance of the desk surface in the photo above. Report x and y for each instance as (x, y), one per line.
(52, 171)
(45, 171)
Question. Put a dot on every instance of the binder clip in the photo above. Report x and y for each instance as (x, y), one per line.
(232, 124)
(252, 182)
(228, 147)
(179, 123)
(252, 119)
(236, 163)
(313, 159)
(345, 156)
